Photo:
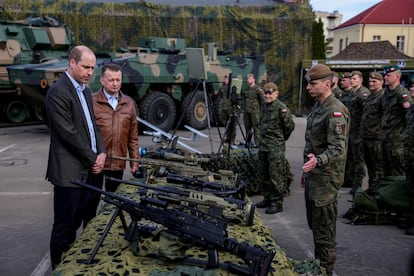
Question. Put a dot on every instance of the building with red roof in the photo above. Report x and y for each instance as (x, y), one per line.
(388, 20)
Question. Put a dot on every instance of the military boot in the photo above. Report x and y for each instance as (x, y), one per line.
(274, 208)
(264, 203)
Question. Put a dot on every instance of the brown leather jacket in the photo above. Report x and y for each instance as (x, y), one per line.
(119, 129)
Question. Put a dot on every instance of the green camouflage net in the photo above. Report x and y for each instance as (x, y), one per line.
(281, 32)
(116, 256)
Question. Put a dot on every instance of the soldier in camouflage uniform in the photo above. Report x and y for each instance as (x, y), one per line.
(276, 125)
(371, 131)
(346, 99)
(359, 95)
(326, 142)
(409, 163)
(253, 99)
(395, 103)
(335, 88)
(230, 112)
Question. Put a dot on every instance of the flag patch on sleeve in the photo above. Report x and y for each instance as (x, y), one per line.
(337, 114)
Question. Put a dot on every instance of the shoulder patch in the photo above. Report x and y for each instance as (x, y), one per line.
(337, 114)
(284, 110)
(404, 96)
(365, 95)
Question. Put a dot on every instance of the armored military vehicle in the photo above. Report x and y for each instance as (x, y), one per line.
(37, 40)
(169, 82)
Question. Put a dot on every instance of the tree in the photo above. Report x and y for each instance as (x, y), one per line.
(318, 40)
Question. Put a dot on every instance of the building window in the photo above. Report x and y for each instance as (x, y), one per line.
(341, 46)
(376, 38)
(400, 42)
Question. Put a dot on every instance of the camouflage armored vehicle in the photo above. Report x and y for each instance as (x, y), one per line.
(159, 74)
(32, 41)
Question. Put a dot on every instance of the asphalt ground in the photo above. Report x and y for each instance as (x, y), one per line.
(26, 212)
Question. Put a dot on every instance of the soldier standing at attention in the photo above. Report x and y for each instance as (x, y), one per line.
(253, 99)
(276, 125)
(409, 163)
(395, 103)
(325, 151)
(230, 112)
(345, 99)
(335, 88)
(359, 96)
(116, 117)
(371, 131)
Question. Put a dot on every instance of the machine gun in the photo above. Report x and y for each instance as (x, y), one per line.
(235, 210)
(214, 187)
(198, 228)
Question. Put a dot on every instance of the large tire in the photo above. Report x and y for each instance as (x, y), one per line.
(159, 109)
(195, 111)
(15, 112)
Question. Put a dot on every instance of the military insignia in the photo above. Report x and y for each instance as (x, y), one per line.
(404, 96)
(365, 95)
(338, 128)
(284, 110)
(406, 105)
(337, 114)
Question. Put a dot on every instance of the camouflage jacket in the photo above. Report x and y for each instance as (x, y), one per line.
(371, 117)
(409, 136)
(346, 97)
(355, 107)
(394, 106)
(276, 125)
(337, 92)
(253, 99)
(225, 98)
(326, 136)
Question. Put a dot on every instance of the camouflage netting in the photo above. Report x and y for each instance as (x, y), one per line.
(116, 255)
(281, 32)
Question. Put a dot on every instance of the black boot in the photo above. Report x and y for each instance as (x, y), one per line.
(264, 203)
(273, 209)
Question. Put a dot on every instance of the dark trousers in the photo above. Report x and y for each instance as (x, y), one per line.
(72, 208)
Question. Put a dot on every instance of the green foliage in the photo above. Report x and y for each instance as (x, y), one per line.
(318, 41)
(281, 32)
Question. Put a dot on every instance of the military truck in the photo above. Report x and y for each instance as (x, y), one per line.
(169, 81)
(36, 40)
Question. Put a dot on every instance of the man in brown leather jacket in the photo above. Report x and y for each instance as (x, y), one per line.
(116, 117)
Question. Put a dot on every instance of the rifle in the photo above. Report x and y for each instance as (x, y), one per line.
(199, 228)
(236, 210)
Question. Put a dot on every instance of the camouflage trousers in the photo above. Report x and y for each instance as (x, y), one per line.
(322, 222)
(409, 163)
(251, 121)
(357, 162)
(273, 176)
(373, 158)
(393, 158)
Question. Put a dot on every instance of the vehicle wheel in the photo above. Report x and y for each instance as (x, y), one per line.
(15, 111)
(195, 110)
(159, 109)
(37, 112)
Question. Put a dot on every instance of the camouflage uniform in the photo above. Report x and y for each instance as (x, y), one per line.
(276, 125)
(349, 169)
(409, 164)
(327, 137)
(394, 105)
(355, 143)
(253, 99)
(228, 111)
(371, 138)
(337, 92)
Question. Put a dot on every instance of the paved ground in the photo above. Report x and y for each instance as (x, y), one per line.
(26, 213)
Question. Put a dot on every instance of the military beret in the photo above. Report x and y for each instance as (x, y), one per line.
(318, 71)
(345, 75)
(376, 75)
(356, 73)
(271, 87)
(391, 68)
